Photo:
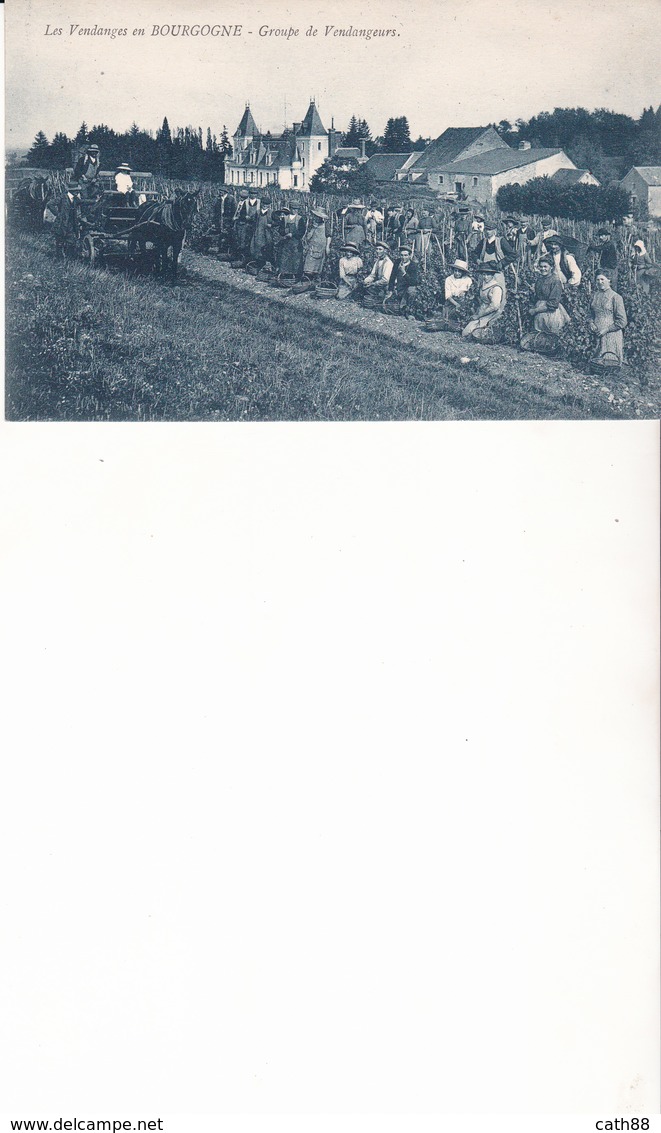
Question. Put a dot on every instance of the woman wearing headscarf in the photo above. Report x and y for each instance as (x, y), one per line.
(549, 315)
(642, 266)
(609, 318)
(491, 301)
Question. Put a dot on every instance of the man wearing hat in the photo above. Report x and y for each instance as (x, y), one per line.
(349, 266)
(456, 288)
(565, 268)
(607, 255)
(403, 283)
(123, 179)
(245, 219)
(86, 170)
(261, 244)
(494, 248)
(316, 245)
(378, 279)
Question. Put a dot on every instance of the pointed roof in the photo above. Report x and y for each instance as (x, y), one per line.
(247, 126)
(311, 126)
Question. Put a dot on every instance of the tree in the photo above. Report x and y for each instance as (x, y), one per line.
(81, 137)
(164, 134)
(342, 175)
(224, 145)
(39, 152)
(351, 137)
(397, 136)
(60, 152)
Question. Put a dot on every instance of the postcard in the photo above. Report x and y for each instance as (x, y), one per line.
(330, 525)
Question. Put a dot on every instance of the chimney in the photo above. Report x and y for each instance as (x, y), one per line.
(332, 139)
(297, 126)
(362, 149)
(524, 145)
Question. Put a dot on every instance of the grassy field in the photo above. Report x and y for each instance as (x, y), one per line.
(95, 345)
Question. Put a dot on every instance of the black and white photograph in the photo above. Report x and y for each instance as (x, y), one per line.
(329, 567)
(441, 212)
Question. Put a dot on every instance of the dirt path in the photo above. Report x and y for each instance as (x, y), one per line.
(623, 396)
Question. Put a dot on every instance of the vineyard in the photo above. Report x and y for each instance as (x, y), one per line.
(67, 360)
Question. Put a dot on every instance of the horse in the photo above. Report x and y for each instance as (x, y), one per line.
(163, 224)
(28, 201)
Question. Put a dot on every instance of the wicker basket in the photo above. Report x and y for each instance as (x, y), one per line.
(325, 291)
(302, 287)
(264, 275)
(607, 362)
(286, 282)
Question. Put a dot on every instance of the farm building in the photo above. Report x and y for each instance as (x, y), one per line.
(454, 144)
(287, 160)
(475, 161)
(392, 166)
(352, 153)
(643, 182)
(481, 177)
(570, 177)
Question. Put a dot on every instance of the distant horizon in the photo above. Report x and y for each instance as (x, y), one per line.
(24, 146)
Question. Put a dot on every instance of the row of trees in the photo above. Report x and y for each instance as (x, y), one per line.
(581, 202)
(603, 141)
(600, 140)
(183, 153)
(188, 153)
(396, 137)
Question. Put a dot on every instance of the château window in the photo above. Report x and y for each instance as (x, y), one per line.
(475, 182)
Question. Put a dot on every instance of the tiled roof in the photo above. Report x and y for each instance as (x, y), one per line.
(282, 151)
(569, 176)
(498, 161)
(649, 173)
(449, 146)
(385, 165)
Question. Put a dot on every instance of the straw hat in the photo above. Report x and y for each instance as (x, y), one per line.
(123, 168)
(461, 265)
(320, 213)
(350, 247)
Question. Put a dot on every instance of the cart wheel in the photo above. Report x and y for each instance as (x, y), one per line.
(89, 251)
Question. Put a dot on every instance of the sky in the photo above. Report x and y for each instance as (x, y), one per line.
(447, 63)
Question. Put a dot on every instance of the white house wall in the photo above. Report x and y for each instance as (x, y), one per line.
(545, 167)
(654, 200)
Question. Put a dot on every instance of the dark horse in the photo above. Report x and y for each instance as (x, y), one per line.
(26, 208)
(164, 225)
